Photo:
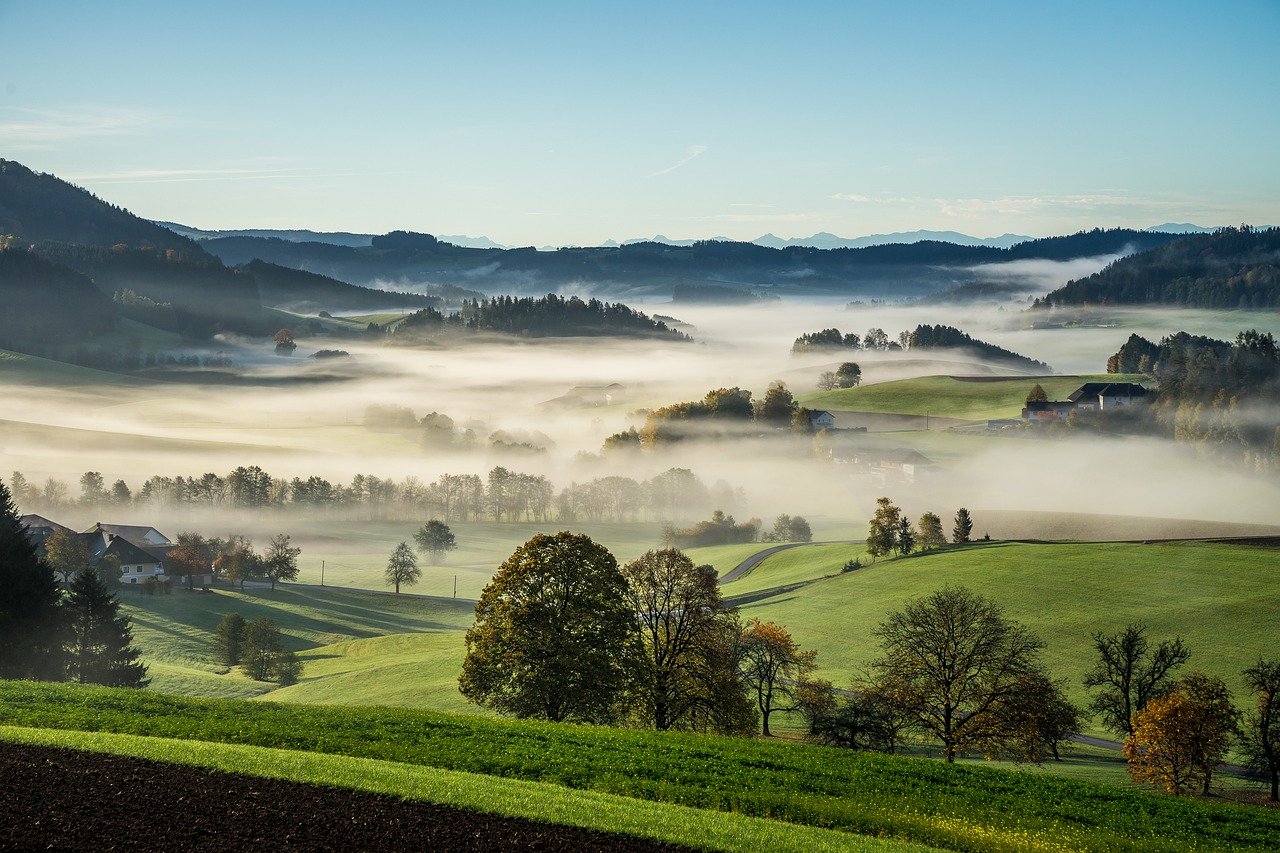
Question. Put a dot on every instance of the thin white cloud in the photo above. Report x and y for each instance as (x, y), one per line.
(859, 198)
(692, 153)
(22, 128)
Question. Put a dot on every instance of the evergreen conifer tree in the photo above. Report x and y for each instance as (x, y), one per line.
(100, 640)
(30, 620)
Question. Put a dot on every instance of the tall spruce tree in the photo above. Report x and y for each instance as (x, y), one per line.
(964, 526)
(30, 620)
(100, 640)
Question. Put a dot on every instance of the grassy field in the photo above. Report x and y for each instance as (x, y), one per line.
(401, 670)
(797, 565)
(928, 802)
(176, 632)
(724, 557)
(355, 553)
(539, 801)
(1223, 600)
(949, 397)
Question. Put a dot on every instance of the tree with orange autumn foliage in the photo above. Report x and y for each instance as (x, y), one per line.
(773, 666)
(1179, 739)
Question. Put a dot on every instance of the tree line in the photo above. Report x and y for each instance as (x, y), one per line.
(922, 337)
(564, 633)
(1232, 268)
(502, 495)
(721, 413)
(1217, 396)
(890, 531)
(546, 316)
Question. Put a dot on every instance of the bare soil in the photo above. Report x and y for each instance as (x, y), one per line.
(60, 799)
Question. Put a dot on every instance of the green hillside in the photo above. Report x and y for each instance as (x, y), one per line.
(892, 798)
(1224, 600)
(401, 670)
(176, 633)
(974, 398)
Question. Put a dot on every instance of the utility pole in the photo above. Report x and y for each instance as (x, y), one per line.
(455, 586)
(322, 573)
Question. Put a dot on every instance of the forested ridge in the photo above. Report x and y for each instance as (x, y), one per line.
(547, 316)
(1230, 268)
(38, 207)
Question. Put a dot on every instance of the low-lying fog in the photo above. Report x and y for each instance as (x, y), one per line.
(298, 419)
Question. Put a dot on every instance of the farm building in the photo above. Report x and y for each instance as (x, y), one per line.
(1089, 397)
(140, 549)
(821, 420)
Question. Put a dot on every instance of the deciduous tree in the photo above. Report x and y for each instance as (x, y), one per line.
(777, 406)
(67, 553)
(100, 640)
(848, 375)
(553, 635)
(239, 563)
(931, 533)
(683, 667)
(1260, 739)
(280, 561)
(882, 536)
(435, 539)
(263, 656)
(402, 567)
(1037, 394)
(1179, 738)
(1130, 675)
(957, 667)
(772, 665)
(190, 557)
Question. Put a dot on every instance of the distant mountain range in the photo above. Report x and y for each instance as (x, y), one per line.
(821, 240)
(303, 235)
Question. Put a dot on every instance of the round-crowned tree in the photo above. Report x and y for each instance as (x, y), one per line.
(553, 636)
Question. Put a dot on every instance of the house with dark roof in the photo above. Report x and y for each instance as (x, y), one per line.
(138, 534)
(1108, 395)
(1089, 397)
(140, 549)
(38, 529)
(137, 561)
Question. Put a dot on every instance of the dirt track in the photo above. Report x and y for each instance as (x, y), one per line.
(68, 800)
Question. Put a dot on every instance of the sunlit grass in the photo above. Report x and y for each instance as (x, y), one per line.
(957, 807)
(944, 396)
(538, 801)
(1223, 600)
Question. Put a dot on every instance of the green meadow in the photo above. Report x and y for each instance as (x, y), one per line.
(1222, 599)
(861, 795)
(980, 398)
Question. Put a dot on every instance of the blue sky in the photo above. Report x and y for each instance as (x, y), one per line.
(573, 123)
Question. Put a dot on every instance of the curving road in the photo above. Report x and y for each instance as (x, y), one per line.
(745, 567)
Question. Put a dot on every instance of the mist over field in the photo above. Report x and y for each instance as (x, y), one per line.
(294, 417)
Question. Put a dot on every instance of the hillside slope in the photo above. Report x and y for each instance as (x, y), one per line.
(38, 207)
(1230, 268)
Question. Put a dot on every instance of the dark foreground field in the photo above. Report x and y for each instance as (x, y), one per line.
(64, 799)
